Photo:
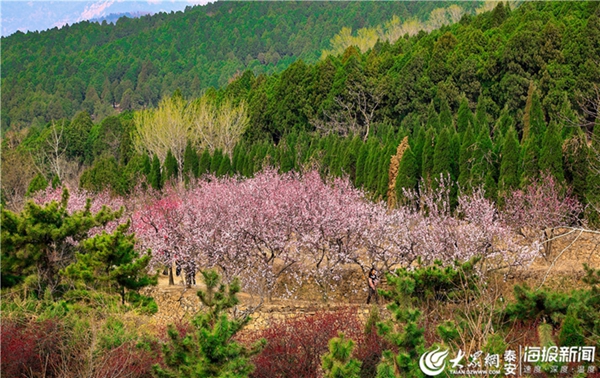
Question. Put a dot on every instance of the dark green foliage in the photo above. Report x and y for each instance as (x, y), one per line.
(571, 333)
(408, 174)
(171, 169)
(110, 263)
(76, 136)
(146, 165)
(433, 119)
(464, 116)
(442, 155)
(551, 159)
(593, 178)
(224, 167)
(204, 163)
(465, 159)
(37, 242)
(509, 162)
(56, 182)
(529, 169)
(338, 363)
(209, 351)
(216, 161)
(155, 176)
(190, 163)
(576, 163)
(428, 155)
(39, 182)
(446, 116)
(105, 173)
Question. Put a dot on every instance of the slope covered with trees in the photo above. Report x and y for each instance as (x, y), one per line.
(133, 64)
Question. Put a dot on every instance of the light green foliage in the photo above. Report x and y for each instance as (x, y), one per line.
(209, 351)
(338, 363)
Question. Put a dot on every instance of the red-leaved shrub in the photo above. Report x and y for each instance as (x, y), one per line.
(294, 347)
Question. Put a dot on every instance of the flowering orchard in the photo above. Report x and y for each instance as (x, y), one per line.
(311, 229)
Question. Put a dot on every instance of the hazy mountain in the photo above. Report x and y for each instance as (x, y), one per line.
(42, 15)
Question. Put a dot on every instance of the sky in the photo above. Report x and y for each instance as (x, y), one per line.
(37, 15)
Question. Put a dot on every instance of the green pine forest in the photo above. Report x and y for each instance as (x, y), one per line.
(498, 99)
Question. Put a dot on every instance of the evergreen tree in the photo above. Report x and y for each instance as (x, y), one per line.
(210, 350)
(216, 160)
(509, 163)
(466, 159)
(529, 170)
(408, 174)
(481, 116)
(170, 167)
(146, 165)
(442, 156)
(576, 163)
(224, 167)
(42, 239)
(428, 152)
(504, 123)
(190, 163)
(204, 164)
(361, 162)
(433, 118)
(593, 178)
(110, 263)
(338, 363)
(446, 116)
(464, 117)
(155, 176)
(483, 164)
(39, 182)
(56, 182)
(551, 159)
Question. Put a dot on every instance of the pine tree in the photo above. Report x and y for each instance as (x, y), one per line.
(190, 163)
(529, 170)
(428, 152)
(509, 163)
(464, 118)
(483, 164)
(481, 116)
(551, 157)
(442, 156)
(204, 164)
(111, 263)
(155, 176)
(465, 160)
(408, 174)
(338, 363)
(504, 123)
(171, 169)
(210, 351)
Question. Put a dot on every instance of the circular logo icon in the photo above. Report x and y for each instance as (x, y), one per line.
(433, 363)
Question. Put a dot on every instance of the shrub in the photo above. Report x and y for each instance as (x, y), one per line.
(294, 347)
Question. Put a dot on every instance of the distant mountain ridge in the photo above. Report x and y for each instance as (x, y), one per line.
(113, 17)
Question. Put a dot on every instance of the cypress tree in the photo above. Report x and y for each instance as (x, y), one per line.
(372, 166)
(593, 178)
(483, 163)
(361, 162)
(481, 116)
(529, 162)
(408, 173)
(171, 171)
(576, 163)
(465, 159)
(446, 116)
(428, 152)
(464, 118)
(146, 165)
(504, 123)
(538, 123)
(417, 147)
(215, 162)
(551, 161)
(225, 166)
(204, 163)
(509, 165)
(190, 163)
(442, 155)
(455, 154)
(155, 176)
(433, 118)
(56, 182)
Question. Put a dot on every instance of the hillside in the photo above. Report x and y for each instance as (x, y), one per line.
(89, 66)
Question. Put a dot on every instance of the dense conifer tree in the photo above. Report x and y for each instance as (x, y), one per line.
(171, 169)
(464, 117)
(466, 159)
(442, 156)
(428, 153)
(204, 163)
(408, 174)
(509, 162)
(576, 163)
(551, 157)
(155, 176)
(190, 163)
